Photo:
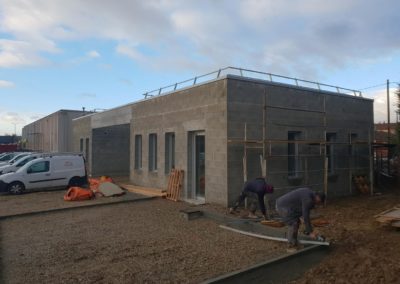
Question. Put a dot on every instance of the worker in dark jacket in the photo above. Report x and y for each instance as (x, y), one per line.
(256, 188)
(295, 204)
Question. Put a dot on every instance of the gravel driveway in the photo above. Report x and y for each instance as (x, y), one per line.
(132, 242)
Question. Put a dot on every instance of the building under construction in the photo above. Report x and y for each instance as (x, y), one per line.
(232, 125)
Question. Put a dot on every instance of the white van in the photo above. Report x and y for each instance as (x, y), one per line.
(51, 171)
(14, 166)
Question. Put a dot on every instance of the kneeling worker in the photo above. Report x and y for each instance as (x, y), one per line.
(295, 204)
(256, 188)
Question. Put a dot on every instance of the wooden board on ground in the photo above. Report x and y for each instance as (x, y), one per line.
(143, 190)
(319, 222)
(389, 217)
(273, 223)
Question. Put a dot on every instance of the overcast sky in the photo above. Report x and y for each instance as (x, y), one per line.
(98, 54)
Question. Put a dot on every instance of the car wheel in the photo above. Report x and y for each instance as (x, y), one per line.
(16, 187)
(75, 181)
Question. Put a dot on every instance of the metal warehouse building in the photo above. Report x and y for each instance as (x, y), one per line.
(52, 133)
(233, 125)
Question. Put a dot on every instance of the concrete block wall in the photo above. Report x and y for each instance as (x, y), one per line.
(111, 150)
(220, 109)
(200, 108)
(343, 114)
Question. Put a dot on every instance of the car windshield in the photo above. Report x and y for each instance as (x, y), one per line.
(7, 157)
(18, 157)
(24, 160)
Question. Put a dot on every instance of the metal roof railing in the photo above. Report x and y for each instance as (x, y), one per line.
(246, 73)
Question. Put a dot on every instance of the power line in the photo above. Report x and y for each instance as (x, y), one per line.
(379, 85)
(373, 86)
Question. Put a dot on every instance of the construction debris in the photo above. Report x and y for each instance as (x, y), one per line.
(78, 194)
(174, 184)
(108, 189)
(390, 217)
(362, 184)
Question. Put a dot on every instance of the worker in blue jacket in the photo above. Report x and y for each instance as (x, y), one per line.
(254, 189)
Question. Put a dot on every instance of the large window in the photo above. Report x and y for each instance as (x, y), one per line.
(152, 152)
(293, 153)
(138, 152)
(169, 152)
(329, 150)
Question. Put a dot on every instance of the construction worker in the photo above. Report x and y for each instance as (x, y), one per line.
(295, 204)
(256, 188)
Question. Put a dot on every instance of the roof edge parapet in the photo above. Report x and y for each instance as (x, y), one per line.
(247, 73)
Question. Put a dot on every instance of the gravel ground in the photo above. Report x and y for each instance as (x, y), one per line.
(52, 200)
(150, 242)
(136, 242)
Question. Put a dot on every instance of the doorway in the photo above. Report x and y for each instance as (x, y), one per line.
(198, 165)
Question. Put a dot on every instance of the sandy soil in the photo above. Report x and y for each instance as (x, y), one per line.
(150, 242)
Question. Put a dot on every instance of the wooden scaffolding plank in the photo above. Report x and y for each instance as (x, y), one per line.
(174, 184)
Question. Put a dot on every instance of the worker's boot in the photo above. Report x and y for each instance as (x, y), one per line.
(292, 248)
(252, 216)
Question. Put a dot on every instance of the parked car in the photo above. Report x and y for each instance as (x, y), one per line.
(15, 157)
(7, 156)
(14, 166)
(50, 171)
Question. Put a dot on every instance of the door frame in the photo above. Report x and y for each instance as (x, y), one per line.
(194, 191)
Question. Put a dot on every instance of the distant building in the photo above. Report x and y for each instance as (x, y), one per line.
(9, 139)
(52, 133)
(381, 132)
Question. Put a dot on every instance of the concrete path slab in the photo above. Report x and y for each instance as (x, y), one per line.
(276, 270)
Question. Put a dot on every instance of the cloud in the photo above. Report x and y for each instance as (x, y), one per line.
(13, 117)
(380, 104)
(15, 53)
(6, 84)
(11, 122)
(293, 37)
(93, 54)
(130, 52)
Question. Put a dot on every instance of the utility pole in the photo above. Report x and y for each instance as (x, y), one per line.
(388, 125)
(388, 112)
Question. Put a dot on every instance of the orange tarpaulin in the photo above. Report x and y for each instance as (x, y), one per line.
(77, 193)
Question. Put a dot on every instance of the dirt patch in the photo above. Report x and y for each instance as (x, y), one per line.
(363, 251)
(145, 242)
